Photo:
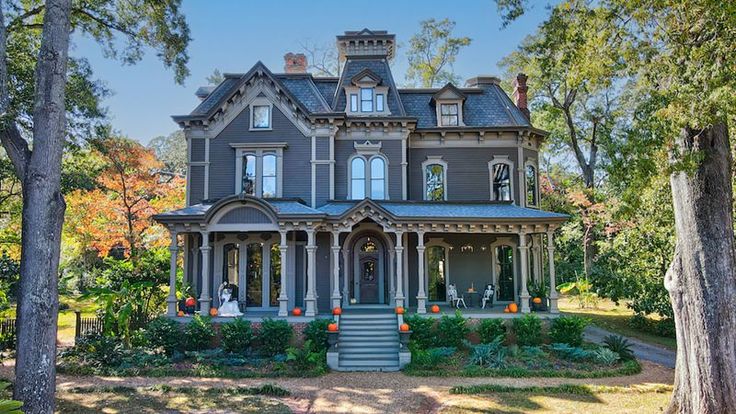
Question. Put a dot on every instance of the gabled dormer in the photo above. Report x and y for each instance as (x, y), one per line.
(366, 95)
(449, 106)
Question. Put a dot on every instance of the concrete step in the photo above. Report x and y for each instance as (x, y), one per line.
(375, 329)
(350, 368)
(385, 362)
(372, 344)
(368, 321)
(370, 356)
(363, 316)
(367, 349)
(368, 332)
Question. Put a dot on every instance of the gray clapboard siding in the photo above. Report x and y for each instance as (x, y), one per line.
(197, 145)
(391, 149)
(196, 184)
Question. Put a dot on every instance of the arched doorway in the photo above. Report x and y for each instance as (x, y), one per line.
(369, 271)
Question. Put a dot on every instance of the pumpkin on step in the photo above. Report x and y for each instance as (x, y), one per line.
(332, 327)
(513, 308)
(296, 311)
(399, 310)
(404, 327)
(435, 309)
(537, 301)
(506, 309)
(337, 311)
(190, 302)
(180, 313)
(213, 312)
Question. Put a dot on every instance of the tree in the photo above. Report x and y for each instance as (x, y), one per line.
(172, 151)
(321, 60)
(142, 23)
(682, 53)
(432, 52)
(215, 78)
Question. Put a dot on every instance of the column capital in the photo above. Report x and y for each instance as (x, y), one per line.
(205, 247)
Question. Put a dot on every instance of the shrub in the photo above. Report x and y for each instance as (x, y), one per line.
(198, 333)
(306, 358)
(605, 356)
(423, 333)
(568, 330)
(430, 358)
(97, 351)
(237, 336)
(572, 353)
(665, 327)
(451, 330)
(316, 331)
(532, 352)
(163, 333)
(490, 355)
(274, 336)
(619, 345)
(528, 330)
(490, 329)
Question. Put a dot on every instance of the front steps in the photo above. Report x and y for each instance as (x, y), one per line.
(368, 341)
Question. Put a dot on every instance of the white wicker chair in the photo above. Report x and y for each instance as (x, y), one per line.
(455, 300)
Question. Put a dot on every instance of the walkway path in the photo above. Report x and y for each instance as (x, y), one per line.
(642, 350)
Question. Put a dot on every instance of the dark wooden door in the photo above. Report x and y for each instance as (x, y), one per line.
(368, 280)
(505, 256)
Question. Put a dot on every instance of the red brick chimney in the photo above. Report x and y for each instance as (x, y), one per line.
(519, 94)
(295, 63)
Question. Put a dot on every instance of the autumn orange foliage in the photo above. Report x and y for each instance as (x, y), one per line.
(131, 189)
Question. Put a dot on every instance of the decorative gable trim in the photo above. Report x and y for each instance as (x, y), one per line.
(449, 91)
(367, 148)
(366, 77)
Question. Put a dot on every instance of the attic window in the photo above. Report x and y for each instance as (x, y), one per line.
(261, 117)
(366, 99)
(379, 103)
(449, 114)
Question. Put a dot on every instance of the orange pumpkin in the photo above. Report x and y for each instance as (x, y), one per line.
(190, 301)
(332, 327)
(537, 301)
(337, 311)
(435, 309)
(213, 311)
(296, 311)
(180, 313)
(404, 327)
(513, 308)
(399, 310)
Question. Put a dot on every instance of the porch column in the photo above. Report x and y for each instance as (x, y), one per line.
(204, 298)
(283, 297)
(171, 300)
(399, 249)
(345, 282)
(392, 277)
(421, 293)
(524, 258)
(552, 286)
(537, 258)
(311, 299)
(336, 269)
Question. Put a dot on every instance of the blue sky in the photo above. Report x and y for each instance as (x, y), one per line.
(232, 35)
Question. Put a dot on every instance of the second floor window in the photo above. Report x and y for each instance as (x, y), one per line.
(259, 171)
(502, 182)
(531, 185)
(368, 179)
(435, 176)
(366, 100)
(268, 178)
(450, 116)
(249, 174)
(354, 103)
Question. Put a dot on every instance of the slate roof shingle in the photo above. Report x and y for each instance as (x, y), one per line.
(306, 92)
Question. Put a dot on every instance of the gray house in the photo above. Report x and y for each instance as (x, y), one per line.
(319, 192)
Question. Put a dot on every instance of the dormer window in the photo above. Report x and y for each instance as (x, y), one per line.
(366, 95)
(379, 103)
(449, 104)
(354, 102)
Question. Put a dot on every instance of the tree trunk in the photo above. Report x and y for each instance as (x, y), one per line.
(701, 279)
(43, 216)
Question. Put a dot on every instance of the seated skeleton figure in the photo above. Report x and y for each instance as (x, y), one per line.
(228, 304)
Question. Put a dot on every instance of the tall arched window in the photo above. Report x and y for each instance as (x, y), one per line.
(357, 179)
(501, 182)
(437, 273)
(531, 185)
(249, 174)
(435, 178)
(378, 179)
(269, 175)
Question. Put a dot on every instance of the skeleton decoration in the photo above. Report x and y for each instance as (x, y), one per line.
(228, 306)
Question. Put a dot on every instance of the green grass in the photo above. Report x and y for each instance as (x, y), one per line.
(559, 389)
(627, 368)
(204, 371)
(67, 319)
(615, 318)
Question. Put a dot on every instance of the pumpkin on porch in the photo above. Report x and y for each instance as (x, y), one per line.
(296, 311)
(513, 308)
(332, 327)
(213, 311)
(435, 309)
(337, 311)
(180, 313)
(537, 300)
(190, 302)
(404, 327)
(399, 310)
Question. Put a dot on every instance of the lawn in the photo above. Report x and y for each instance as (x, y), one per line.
(67, 318)
(615, 318)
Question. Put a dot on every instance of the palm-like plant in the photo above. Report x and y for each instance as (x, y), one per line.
(619, 345)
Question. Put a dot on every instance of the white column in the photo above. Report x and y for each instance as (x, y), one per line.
(421, 293)
(399, 249)
(552, 285)
(524, 258)
(392, 276)
(171, 300)
(311, 299)
(336, 269)
(537, 258)
(283, 297)
(204, 298)
(345, 282)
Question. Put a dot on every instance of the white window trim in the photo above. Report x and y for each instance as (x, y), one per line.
(501, 159)
(259, 151)
(532, 162)
(367, 160)
(377, 90)
(504, 241)
(438, 111)
(260, 101)
(437, 242)
(431, 160)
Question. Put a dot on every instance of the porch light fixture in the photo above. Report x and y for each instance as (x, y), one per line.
(467, 248)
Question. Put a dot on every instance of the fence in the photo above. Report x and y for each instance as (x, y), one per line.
(87, 326)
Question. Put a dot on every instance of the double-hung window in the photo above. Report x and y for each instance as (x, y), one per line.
(261, 116)
(450, 115)
(379, 102)
(366, 99)
(354, 102)
(258, 170)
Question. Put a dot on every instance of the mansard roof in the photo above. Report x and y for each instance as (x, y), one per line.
(379, 67)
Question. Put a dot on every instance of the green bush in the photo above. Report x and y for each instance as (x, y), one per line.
(490, 329)
(619, 345)
(423, 332)
(490, 355)
(316, 331)
(236, 336)
(568, 330)
(451, 330)
(274, 336)
(528, 330)
(572, 353)
(163, 333)
(665, 327)
(307, 358)
(605, 356)
(96, 351)
(199, 333)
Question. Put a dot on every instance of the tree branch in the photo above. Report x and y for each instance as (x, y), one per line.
(18, 21)
(102, 22)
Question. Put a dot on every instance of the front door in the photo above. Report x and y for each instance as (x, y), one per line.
(505, 268)
(368, 280)
(368, 277)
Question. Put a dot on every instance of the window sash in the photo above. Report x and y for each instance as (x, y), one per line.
(502, 182)
(531, 185)
(248, 185)
(379, 102)
(353, 102)
(366, 100)
(435, 178)
(450, 114)
(261, 116)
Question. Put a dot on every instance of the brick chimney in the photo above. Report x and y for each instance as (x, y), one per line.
(295, 63)
(519, 94)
